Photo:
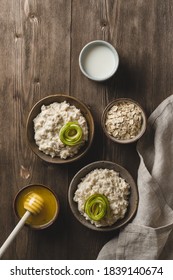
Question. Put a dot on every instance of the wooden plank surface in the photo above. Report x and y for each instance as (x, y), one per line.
(40, 42)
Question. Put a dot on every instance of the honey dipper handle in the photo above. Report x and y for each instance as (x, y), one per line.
(14, 233)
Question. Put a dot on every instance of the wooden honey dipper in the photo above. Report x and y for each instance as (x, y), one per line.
(33, 206)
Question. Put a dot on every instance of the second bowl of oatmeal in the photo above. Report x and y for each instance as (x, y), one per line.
(123, 121)
(103, 196)
(60, 129)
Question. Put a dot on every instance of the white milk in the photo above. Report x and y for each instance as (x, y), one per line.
(99, 62)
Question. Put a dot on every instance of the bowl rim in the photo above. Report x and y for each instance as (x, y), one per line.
(109, 106)
(133, 195)
(94, 43)
(33, 145)
(45, 187)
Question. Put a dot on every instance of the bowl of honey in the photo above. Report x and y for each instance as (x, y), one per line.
(47, 215)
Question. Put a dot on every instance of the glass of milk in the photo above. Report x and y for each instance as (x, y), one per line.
(98, 60)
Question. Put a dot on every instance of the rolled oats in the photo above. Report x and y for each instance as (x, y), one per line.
(124, 120)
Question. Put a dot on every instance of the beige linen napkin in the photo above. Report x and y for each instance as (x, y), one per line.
(150, 234)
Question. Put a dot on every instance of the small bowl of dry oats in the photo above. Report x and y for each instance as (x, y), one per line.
(123, 121)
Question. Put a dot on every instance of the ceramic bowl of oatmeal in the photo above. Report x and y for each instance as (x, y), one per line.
(60, 129)
(123, 121)
(103, 196)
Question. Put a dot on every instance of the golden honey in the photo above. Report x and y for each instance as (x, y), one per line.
(49, 212)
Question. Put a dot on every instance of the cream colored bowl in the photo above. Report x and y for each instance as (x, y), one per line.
(98, 60)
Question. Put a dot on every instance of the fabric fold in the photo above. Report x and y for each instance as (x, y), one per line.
(150, 235)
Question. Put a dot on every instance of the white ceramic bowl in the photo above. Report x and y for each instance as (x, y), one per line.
(98, 60)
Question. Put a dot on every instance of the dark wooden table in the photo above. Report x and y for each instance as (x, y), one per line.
(40, 42)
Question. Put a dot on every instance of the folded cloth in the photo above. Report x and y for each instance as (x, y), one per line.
(150, 234)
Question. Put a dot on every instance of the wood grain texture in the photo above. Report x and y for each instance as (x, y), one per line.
(40, 42)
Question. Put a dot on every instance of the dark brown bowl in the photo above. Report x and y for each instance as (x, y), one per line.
(133, 199)
(48, 214)
(104, 115)
(37, 109)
